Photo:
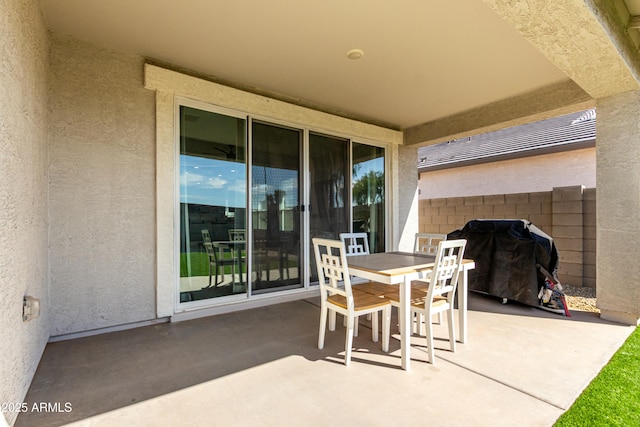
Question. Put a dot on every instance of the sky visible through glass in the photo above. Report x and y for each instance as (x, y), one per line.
(213, 182)
(216, 182)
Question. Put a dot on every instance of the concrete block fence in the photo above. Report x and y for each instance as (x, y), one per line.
(568, 214)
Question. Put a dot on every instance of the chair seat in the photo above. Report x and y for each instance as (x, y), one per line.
(421, 285)
(418, 298)
(362, 301)
(374, 288)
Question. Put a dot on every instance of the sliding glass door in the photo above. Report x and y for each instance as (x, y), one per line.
(368, 194)
(276, 207)
(329, 190)
(298, 184)
(212, 204)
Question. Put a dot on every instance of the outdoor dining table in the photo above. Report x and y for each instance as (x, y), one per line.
(401, 268)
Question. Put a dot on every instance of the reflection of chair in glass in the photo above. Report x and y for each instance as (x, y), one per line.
(269, 253)
(331, 262)
(442, 283)
(218, 259)
(427, 243)
(237, 234)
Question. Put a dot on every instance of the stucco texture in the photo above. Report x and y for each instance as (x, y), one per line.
(618, 207)
(23, 194)
(102, 188)
(524, 175)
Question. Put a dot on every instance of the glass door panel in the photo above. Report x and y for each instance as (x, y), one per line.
(328, 178)
(212, 204)
(275, 213)
(368, 194)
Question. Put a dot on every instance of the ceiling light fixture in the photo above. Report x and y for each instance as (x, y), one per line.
(355, 54)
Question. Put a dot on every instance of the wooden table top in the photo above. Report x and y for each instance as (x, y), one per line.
(392, 263)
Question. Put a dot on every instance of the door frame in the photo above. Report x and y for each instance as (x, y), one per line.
(194, 309)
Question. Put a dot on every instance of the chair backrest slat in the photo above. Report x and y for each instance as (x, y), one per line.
(427, 243)
(333, 271)
(355, 243)
(448, 263)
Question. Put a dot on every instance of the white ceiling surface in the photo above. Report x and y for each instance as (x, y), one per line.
(633, 6)
(423, 60)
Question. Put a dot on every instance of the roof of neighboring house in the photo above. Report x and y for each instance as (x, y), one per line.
(563, 133)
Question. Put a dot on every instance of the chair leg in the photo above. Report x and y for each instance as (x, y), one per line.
(422, 323)
(452, 330)
(355, 325)
(323, 326)
(332, 320)
(233, 273)
(348, 340)
(374, 326)
(418, 323)
(209, 275)
(386, 328)
(429, 333)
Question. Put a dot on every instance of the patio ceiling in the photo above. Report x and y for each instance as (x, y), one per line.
(423, 60)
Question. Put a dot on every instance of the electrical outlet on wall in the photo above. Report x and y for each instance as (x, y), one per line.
(30, 308)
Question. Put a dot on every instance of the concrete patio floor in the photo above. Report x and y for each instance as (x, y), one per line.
(521, 366)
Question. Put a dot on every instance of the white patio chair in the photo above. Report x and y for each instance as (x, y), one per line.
(439, 298)
(427, 243)
(331, 261)
(355, 243)
(358, 244)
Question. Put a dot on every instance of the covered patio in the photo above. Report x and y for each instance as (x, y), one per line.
(97, 103)
(521, 366)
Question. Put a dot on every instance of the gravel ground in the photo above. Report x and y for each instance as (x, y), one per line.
(583, 299)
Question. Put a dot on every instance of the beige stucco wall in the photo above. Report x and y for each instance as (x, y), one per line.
(23, 194)
(102, 188)
(525, 175)
(405, 193)
(618, 207)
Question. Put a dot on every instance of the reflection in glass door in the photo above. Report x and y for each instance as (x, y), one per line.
(368, 194)
(328, 177)
(212, 205)
(275, 207)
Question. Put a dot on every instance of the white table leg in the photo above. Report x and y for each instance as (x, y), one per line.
(404, 317)
(462, 305)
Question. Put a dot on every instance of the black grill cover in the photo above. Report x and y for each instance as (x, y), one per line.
(507, 254)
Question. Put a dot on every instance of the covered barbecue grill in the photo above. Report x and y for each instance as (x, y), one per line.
(515, 260)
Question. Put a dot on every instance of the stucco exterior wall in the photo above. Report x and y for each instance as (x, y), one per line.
(407, 198)
(23, 194)
(526, 175)
(102, 188)
(618, 207)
